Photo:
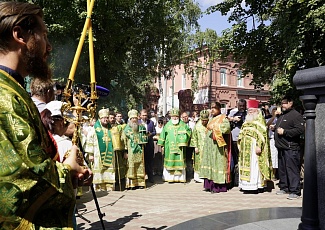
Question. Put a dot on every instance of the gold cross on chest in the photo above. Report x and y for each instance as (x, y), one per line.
(175, 131)
(106, 137)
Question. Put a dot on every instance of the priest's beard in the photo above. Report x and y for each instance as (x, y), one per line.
(251, 117)
(104, 124)
(205, 124)
(175, 122)
(134, 126)
(35, 61)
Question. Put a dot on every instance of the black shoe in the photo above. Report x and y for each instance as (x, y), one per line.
(260, 190)
(250, 192)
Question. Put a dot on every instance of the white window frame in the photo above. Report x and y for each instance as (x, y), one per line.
(223, 76)
(240, 80)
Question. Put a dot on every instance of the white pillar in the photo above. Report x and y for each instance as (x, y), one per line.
(165, 96)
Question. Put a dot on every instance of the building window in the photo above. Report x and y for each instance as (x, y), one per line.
(240, 80)
(183, 81)
(223, 76)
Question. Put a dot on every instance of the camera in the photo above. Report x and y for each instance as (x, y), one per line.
(242, 115)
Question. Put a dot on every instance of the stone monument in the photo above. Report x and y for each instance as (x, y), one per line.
(312, 83)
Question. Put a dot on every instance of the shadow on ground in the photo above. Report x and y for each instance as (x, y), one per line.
(117, 224)
(160, 228)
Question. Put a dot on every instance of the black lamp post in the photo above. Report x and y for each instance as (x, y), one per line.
(309, 218)
(312, 83)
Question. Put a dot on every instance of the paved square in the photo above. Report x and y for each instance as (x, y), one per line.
(163, 205)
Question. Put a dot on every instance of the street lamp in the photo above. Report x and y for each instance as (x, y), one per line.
(167, 75)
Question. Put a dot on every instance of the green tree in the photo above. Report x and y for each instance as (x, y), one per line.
(129, 40)
(273, 39)
(199, 44)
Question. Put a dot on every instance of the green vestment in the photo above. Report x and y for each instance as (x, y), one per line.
(99, 145)
(35, 191)
(104, 138)
(254, 134)
(215, 162)
(197, 141)
(120, 163)
(174, 139)
(134, 143)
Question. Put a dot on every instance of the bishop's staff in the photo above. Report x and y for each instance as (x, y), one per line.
(78, 109)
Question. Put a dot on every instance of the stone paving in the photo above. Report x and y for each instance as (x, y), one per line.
(163, 205)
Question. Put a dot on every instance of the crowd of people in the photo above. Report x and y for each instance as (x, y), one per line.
(246, 148)
(42, 169)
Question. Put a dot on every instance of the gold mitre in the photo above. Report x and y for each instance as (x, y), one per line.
(174, 112)
(204, 115)
(103, 113)
(133, 113)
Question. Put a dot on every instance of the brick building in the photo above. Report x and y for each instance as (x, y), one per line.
(219, 81)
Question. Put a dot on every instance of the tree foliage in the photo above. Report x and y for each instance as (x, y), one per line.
(131, 38)
(273, 39)
(199, 44)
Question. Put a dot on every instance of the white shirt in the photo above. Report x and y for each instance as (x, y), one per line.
(39, 104)
(144, 124)
(64, 144)
(190, 124)
(154, 120)
(158, 130)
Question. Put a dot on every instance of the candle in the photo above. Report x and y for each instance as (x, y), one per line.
(91, 49)
(81, 41)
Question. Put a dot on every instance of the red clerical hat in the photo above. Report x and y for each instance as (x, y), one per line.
(252, 104)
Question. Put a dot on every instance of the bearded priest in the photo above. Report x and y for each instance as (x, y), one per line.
(135, 138)
(174, 138)
(254, 152)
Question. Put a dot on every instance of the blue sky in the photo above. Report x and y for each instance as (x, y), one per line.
(213, 21)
